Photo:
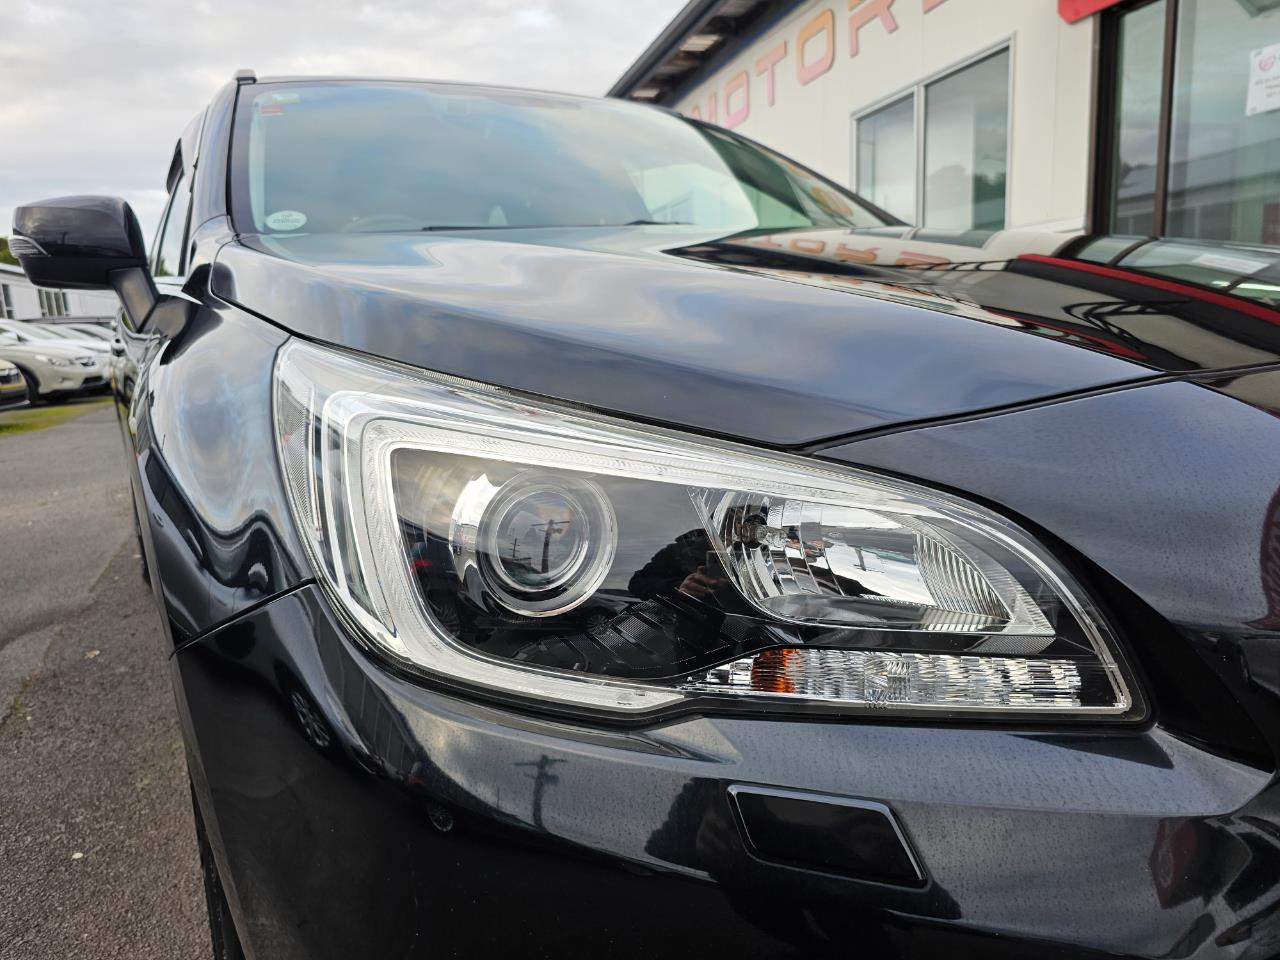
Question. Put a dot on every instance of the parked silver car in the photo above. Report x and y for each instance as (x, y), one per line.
(32, 331)
(53, 372)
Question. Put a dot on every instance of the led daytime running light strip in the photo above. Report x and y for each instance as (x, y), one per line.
(882, 679)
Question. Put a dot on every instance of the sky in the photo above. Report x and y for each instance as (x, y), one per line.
(93, 95)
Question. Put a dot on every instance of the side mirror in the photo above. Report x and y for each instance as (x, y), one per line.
(85, 243)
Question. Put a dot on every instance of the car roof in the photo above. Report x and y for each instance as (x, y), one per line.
(461, 85)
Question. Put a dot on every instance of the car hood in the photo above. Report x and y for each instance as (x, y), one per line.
(1177, 306)
(654, 324)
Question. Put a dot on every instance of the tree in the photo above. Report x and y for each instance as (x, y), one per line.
(5, 255)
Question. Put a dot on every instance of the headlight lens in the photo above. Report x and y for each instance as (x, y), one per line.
(541, 543)
(54, 361)
(582, 563)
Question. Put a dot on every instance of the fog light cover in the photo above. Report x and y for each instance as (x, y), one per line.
(576, 563)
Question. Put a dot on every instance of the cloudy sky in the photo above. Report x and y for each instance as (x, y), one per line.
(93, 95)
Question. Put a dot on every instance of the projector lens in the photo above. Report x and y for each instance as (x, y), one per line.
(546, 543)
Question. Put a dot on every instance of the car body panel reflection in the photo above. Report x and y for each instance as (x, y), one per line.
(409, 754)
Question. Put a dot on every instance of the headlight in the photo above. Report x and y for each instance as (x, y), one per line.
(576, 562)
(55, 361)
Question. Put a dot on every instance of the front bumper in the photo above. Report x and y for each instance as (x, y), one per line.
(64, 380)
(356, 814)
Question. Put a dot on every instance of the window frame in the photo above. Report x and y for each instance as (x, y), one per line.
(180, 269)
(917, 120)
(918, 90)
(1105, 132)
(6, 302)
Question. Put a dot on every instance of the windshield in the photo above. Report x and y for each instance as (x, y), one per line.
(30, 331)
(24, 333)
(367, 157)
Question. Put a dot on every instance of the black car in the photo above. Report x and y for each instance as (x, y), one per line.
(583, 532)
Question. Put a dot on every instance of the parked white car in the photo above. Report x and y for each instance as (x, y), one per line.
(53, 372)
(29, 331)
(13, 388)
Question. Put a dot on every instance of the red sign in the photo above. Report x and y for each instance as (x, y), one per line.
(1073, 10)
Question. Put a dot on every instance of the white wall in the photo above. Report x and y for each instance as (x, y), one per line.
(1050, 111)
(80, 303)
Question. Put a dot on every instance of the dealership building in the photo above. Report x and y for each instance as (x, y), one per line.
(1146, 118)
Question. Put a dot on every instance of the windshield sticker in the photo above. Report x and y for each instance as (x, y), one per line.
(285, 221)
(272, 104)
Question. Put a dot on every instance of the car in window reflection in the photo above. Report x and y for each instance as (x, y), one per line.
(579, 526)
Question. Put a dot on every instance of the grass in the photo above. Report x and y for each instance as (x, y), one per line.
(28, 419)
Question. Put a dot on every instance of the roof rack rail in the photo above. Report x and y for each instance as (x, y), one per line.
(246, 76)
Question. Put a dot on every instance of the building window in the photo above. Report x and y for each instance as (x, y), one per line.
(939, 156)
(887, 158)
(6, 302)
(1224, 164)
(1139, 66)
(1196, 91)
(966, 147)
(53, 303)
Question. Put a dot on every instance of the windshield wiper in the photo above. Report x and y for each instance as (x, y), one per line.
(467, 226)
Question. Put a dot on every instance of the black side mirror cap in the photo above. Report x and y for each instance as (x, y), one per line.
(86, 243)
(77, 242)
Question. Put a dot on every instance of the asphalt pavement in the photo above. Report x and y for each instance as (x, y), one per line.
(97, 846)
